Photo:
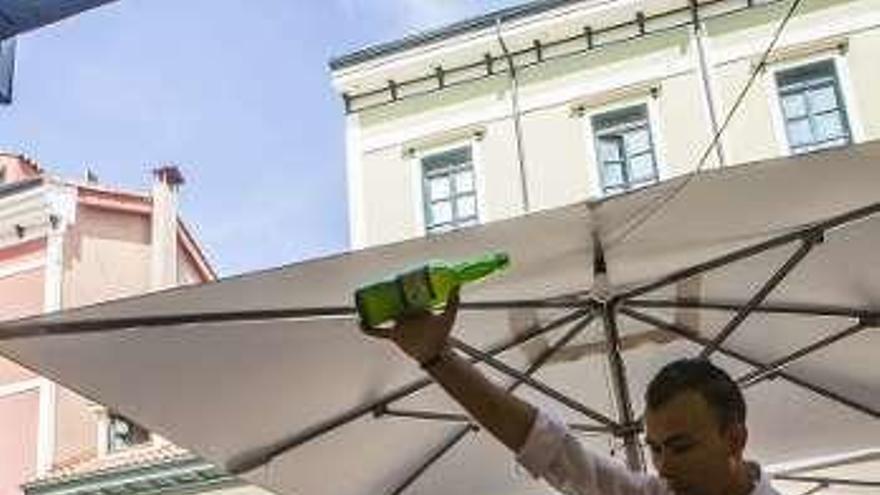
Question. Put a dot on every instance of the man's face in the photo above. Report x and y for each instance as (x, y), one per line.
(689, 449)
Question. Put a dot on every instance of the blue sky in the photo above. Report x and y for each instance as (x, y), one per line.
(235, 92)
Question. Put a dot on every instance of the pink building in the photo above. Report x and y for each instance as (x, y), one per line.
(71, 243)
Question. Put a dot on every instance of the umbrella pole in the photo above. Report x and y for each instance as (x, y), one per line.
(523, 377)
(607, 306)
(634, 455)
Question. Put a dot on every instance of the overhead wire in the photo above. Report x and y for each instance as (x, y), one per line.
(652, 208)
(516, 115)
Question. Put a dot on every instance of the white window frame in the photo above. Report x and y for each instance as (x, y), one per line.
(651, 103)
(844, 83)
(416, 155)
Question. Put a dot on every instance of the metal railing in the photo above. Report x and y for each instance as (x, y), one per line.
(540, 52)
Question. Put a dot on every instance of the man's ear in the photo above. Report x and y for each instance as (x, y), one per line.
(736, 436)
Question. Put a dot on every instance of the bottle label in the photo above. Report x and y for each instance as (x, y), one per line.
(416, 288)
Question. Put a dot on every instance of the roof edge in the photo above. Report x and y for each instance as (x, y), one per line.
(12, 188)
(468, 25)
(183, 473)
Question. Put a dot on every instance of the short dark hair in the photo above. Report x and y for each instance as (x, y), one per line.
(699, 375)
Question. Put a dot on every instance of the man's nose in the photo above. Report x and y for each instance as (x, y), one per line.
(663, 465)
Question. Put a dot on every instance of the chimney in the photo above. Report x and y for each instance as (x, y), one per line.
(163, 239)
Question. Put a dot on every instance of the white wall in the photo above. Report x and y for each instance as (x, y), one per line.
(556, 99)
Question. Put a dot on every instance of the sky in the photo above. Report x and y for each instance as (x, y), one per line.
(236, 93)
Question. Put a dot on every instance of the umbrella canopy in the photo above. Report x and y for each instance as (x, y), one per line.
(770, 269)
(19, 16)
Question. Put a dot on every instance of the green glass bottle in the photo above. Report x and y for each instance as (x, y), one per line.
(425, 287)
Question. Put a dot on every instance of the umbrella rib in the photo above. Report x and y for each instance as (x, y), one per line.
(518, 304)
(43, 328)
(523, 338)
(693, 336)
(856, 458)
(828, 481)
(749, 251)
(451, 442)
(36, 329)
(552, 350)
(761, 374)
(520, 379)
(796, 309)
(599, 429)
(255, 458)
(428, 415)
(821, 487)
(535, 384)
(463, 418)
(758, 298)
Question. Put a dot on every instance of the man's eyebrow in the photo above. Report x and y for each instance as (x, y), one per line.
(679, 437)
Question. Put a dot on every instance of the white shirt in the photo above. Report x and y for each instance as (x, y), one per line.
(551, 452)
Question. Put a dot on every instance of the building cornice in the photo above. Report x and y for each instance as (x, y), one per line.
(405, 70)
(470, 25)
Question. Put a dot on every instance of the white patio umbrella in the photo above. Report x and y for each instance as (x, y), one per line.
(769, 269)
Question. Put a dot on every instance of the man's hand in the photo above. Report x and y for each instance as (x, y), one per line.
(425, 338)
(421, 336)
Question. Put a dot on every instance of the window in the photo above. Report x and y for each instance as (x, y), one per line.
(124, 433)
(450, 195)
(624, 149)
(812, 107)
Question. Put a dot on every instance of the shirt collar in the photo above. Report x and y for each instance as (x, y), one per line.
(760, 480)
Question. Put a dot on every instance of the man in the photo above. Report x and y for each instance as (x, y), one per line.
(695, 423)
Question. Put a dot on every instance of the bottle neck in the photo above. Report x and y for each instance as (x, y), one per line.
(475, 270)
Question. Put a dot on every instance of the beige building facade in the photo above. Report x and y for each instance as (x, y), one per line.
(69, 243)
(560, 101)
(607, 96)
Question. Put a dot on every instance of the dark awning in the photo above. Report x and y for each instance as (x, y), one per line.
(19, 16)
